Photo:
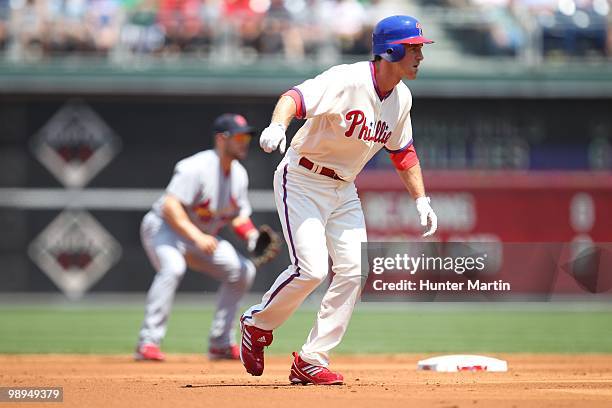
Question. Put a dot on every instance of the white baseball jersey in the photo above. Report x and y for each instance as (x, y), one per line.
(211, 198)
(348, 121)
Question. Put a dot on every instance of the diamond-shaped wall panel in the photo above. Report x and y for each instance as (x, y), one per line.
(75, 251)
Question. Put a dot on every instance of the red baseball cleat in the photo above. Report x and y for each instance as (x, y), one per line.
(149, 352)
(305, 373)
(227, 353)
(251, 348)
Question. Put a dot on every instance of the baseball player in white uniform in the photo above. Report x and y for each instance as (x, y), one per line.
(207, 191)
(351, 112)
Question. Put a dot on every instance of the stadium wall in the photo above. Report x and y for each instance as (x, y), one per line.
(107, 157)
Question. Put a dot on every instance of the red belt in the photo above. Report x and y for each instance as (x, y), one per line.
(304, 162)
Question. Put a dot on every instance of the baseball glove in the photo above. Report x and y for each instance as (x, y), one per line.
(267, 247)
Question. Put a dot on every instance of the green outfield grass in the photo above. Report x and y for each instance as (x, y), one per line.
(114, 330)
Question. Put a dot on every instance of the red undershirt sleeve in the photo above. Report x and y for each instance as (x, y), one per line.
(299, 102)
(405, 159)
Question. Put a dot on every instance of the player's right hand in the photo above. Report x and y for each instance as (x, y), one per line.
(207, 243)
(273, 137)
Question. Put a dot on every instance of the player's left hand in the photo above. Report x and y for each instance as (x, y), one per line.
(273, 137)
(252, 239)
(427, 215)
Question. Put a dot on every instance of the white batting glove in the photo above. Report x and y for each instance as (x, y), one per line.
(427, 215)
(252, 240)
(273, 137)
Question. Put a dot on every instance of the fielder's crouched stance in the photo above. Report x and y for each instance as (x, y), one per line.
(351, 112)
(207, 190)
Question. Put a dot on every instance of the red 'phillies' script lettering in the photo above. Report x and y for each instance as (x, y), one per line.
(357, 117)
(381, 129)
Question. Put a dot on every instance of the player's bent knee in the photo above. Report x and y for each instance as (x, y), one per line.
(242, 275)
(172, 263)
(354, 280)
(176, 270)
(248, 274)
(348, 270)
(316, 276)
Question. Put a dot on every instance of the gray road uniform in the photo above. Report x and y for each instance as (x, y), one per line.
(211, 200)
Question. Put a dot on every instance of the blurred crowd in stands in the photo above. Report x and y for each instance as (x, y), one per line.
(575, 28)
(240, 28)
(293, 29)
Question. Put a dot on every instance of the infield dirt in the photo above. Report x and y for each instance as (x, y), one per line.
(371, 381)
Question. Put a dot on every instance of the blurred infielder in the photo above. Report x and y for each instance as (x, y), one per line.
(207, 190)
(351, 112)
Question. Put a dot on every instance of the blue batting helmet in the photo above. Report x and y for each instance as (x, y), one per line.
(391, 32)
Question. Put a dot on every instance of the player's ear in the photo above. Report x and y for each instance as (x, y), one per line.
(219, 137)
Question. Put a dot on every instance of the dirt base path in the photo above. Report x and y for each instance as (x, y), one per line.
(372, 381)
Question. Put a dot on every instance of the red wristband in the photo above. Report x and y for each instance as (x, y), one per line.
(243, 230)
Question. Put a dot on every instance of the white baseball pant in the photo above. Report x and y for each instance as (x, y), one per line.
(320, 216)
(168, 252)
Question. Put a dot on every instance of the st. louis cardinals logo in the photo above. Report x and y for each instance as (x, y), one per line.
(203, 211)
(379, 133)
(206, 214)
(231, 211)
